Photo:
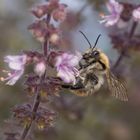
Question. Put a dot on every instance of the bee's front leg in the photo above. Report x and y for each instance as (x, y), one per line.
(83, 64)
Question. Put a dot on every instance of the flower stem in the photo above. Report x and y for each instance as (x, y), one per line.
(37, 97)
(46, 43)
(34, 110)
(121, 56)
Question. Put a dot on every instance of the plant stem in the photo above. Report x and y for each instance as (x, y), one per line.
(34, 110)
(46, 43)
(37, 97)
(121, 56)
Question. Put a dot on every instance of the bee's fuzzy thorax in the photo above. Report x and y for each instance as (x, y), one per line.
(104, 59)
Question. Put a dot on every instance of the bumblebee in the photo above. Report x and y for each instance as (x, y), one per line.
(94, 68)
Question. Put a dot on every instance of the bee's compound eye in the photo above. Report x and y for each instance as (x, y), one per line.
(95, 53)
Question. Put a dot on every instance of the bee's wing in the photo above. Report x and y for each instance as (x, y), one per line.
(116, 87)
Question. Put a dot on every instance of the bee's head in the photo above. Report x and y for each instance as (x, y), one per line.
(93, 54)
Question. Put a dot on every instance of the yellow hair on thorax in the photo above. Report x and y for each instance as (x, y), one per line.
(104, 59)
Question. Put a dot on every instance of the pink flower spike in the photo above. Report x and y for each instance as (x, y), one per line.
(17, 64)
(115, 10)
(66, 66)
(136, 14)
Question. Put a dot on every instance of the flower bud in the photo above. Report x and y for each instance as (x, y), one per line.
(59, 14)
(39, 30)
(40, 10)
(54, 38)
(136, 14)
(40, 68)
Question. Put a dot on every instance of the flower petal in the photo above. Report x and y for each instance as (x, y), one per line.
(65, 65)
(66, 75)
(136, 14)
(75, 59)
(15, 62)
(58, 61)
(114, 7)
(14, 77)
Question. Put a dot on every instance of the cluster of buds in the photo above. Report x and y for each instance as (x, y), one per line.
(40, 28)
(43, 117)
(11, 136)
(23, 113)
(53, 7)
(50, 86)
(120, 42)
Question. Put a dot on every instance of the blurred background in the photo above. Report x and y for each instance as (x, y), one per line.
(80, 118)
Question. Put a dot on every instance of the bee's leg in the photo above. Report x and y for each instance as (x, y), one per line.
(80, 65)
(83, 65)
(78, 85)
(95, 79)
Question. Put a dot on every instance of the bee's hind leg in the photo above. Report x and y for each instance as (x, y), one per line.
(92, 78)
(78, 85)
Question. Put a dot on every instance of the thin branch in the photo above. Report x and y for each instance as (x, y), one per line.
(34, 110)
(46, 43)
(132, 31)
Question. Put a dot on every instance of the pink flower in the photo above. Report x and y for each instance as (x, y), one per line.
(136, 14)
(65, 64)
(17, 64)
(115, 10)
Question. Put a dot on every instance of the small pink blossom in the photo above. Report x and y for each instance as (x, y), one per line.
(136, 14)
(60, 13)
(40, 10)
(115, 10)
(39, 30)
(66, 66)
(54, 38)
(40, 68)
(17, 64)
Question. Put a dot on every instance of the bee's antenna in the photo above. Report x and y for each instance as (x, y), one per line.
(86, 38)
(96, 41)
